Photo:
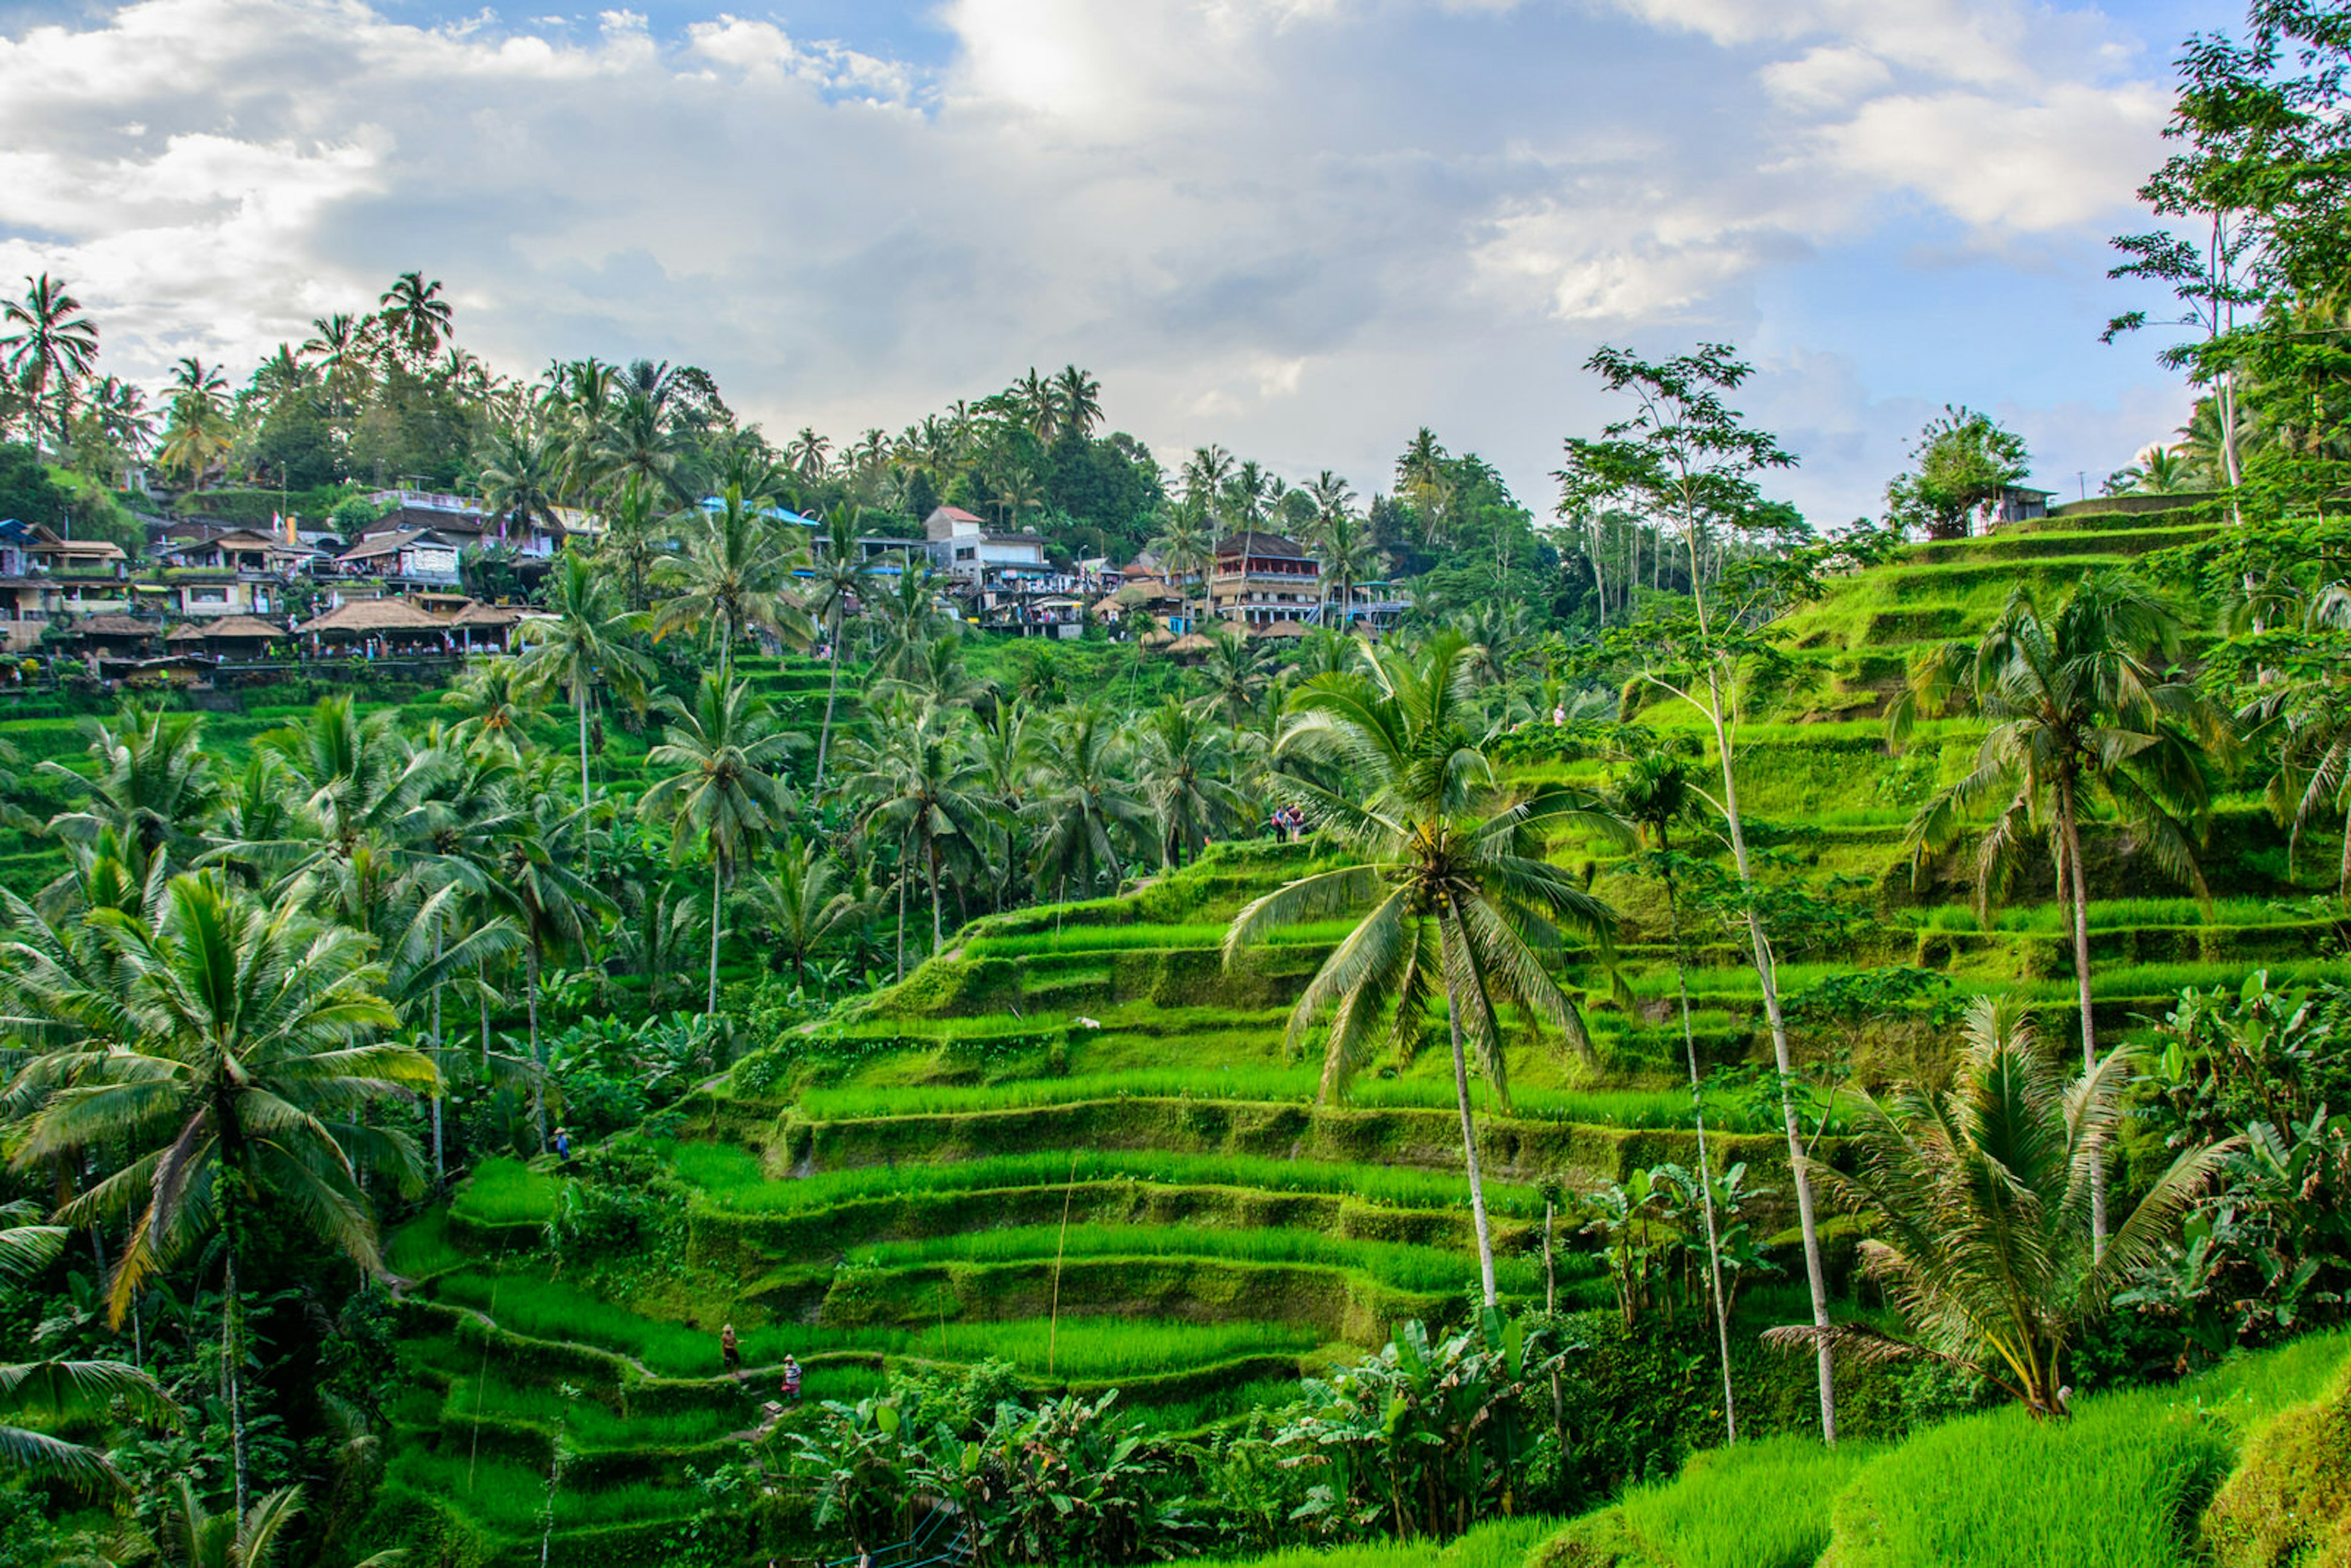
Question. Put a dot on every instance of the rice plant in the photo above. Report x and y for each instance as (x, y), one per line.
(506, 1192)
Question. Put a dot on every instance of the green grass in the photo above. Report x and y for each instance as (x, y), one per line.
(422, 1247)
(1396, 1186)
(2119, 913)
(1497, 1543)
(1634, 1108)
(1760, 1505)
(1107, 938)
(1410, 1268)
(588, 1423)
(2118, 1486)
(505, 1192)
(507, 1495)
(1084, 1348)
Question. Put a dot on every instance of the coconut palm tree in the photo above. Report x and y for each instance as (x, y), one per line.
(802, 904)
(1238, 672)
(1657, 794)
(807, 453)
(734, 578)
(230, 1049)
(521, 473)
(631, 440)
(1085, 804)
(416, 319)
(554, 906)
(50, 350)
(1351, 556)
(921, 786)
(1461, 902)
(911, 620)
(1077, 402)
(2086, 707)
(51, 1391)
(150, 780)
(1183, 760)
(841, 578)
(496, 701)
(722, 748)
(590, 639)
(200, 432)
(1978, 1203)
(1187, 549)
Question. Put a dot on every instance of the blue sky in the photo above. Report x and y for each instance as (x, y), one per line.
(1297, 227)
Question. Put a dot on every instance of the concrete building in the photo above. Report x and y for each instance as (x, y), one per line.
(1259, 579)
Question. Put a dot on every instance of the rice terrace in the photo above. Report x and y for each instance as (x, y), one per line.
(586, 986)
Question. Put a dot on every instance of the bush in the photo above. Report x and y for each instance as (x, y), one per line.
(2290, 1500)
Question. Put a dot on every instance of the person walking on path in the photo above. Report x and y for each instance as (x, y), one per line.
(792, 1381)
(562, 1145)
(731, 1351)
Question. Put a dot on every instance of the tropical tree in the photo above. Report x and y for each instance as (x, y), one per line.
(735, 577)
(1084, 803)
(416, 319)
(590, 639)
(554, 906)
(722, 746)
(1238, 672)
(151, 781)
(802, 904)
(1461, 902)
(2086, 707)
(228, 1049)
(199, 431)
(910, 619)
(521, 473)
(1351, 556)
(50, 349)
(1077, 402)
(922, 788)
(1182, 762)
(1657, 794)
(841, 578)
(1187, 549)
(54, 1390)
(1979, 1203)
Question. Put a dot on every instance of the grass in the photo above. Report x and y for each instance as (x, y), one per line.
(1394, 1185)
(507, 1496)
(2118, 1486)
(1631, 1108)
(1497, 1543)
(589, 1423)
(505, 1192)
(1106, 938)
(1083, 1348)
(422, 1247)
(1425, 1269)
(2120, 914)
(1763, 1504)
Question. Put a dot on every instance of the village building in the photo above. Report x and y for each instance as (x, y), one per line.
(1259, 579)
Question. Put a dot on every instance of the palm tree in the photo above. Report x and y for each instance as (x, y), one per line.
(521, 473)
(802, 903)
(200, 432)
(1077, 402)
(151, 781)
(910, 619)
(1238, 672)
(807, 452)
(1979, 1203)
(842, 578)
(57, 1390)
(735, 577)
(631, 440)
(1084, 804)
(1462, 902)
(588, 641)
(2084, 706)
(722, 791)
(416, 319)
(1351, 556)
(554, 906)
(920, 783)
(354, 786)
(494, 700)
(1656, 793)
(1187, 549)
(192, 1536)
(1423, 480)
(1182, 762)
(51, 349)
(235, 1040)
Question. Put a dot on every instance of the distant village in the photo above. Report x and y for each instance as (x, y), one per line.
(213, 597)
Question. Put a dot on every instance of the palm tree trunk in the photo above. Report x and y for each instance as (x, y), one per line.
(1766, 976)
(938, 936)
(538, 1057)
(2080, 886)
(579, 701)
(232, 1378)
(902, 909)
(1469, 1152)
(1705, 1167)
(716, 893)
(831, 687)
(440, 1167)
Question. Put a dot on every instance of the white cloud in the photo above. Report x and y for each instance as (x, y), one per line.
(1301, 227)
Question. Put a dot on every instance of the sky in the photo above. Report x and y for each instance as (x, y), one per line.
(1300, 228)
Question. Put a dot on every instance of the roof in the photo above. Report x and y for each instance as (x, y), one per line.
(242, 628)
(376, 615)
(392, 544)
(474, 613)
(1190, 642)
(1279, 629)
(1252, 542)
(778, 514)
(956, 514)
(116, 626)
(97, 550)
(1157, 637)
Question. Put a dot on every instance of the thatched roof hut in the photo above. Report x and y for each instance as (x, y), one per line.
(374, 617)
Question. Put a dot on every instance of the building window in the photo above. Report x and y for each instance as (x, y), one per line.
(208, 596)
